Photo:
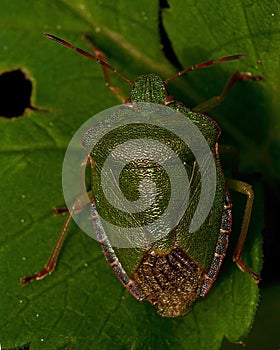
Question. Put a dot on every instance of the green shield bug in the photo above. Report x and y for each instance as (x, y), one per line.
(172, 272)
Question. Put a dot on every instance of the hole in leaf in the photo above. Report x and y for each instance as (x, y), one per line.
(15, 93)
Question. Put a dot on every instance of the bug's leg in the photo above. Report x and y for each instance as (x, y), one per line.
(51, 263)
(58, 211)
(119, 94)
(49, 268)
(246, 189)
(216, 100)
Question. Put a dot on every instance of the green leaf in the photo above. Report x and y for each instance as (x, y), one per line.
(265, 333)
(82, 305)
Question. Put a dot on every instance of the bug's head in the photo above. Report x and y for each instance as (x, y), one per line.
(149, 88)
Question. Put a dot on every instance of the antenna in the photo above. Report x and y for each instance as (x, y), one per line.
(85, 53)
(202, 65)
